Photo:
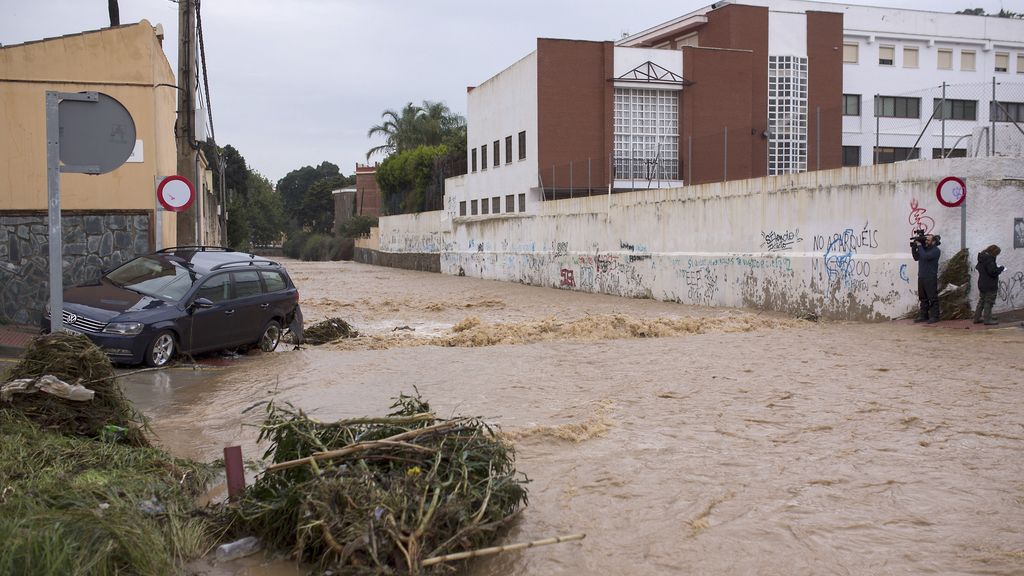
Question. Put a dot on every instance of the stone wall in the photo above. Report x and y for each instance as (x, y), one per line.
(422, 262)
(92, 242)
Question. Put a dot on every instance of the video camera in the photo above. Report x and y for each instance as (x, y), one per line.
(919, 237)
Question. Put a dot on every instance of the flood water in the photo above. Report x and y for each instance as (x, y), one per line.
(681, 440)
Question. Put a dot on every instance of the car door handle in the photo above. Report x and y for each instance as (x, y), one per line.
(265, 305)
(229, 312)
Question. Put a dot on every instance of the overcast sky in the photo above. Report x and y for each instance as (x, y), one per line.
(297, 82)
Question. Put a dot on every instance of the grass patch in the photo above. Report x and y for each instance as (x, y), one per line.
(72, 505)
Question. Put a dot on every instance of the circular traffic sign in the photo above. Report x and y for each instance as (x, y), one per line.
(951, 191)
(175, 193)
(99, 133)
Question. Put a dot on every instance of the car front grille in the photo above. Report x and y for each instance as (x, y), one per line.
(73, 320)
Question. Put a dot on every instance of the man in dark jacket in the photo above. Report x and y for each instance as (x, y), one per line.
(925, 250)
(988, 284)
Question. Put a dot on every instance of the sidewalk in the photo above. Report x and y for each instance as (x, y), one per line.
(14, 338)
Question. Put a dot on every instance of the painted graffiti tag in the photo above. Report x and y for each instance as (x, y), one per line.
(917, 218)
(903, 273)
(568, 278)
(1011, 290)
(776, 241)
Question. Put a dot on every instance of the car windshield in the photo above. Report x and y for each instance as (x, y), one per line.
(155, 277)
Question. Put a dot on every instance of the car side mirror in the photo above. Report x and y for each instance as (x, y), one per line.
(202, 303)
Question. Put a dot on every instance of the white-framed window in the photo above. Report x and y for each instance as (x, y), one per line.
(646, 134)
(1002, 62)
(787, 114)
(967, 58)
(909, 57)
(1020, 63)
(886, 55)
(945, 59)
(850, 53)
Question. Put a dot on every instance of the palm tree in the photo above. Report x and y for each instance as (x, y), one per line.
(431, 124)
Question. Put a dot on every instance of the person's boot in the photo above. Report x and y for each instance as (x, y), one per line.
(933, 320)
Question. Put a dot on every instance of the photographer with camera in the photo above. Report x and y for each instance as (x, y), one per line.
(925, 249)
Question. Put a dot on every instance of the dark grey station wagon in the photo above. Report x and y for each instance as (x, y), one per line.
(188, 299)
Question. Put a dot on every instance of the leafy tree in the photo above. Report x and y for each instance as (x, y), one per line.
(430, 124)
(403, 178)
(972, 11)
(316, 213)
(1003, 13)
(295, 184)
(256, 217)
(355, 226)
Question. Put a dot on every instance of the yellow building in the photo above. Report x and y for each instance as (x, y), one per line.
(106, 219)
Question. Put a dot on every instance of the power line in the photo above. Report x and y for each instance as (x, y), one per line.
(206, 80)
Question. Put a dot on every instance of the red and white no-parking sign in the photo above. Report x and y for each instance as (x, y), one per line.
(175, 193)
(951, 191)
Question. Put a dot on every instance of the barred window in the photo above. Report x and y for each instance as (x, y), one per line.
(955, 109)
(646, 134)
(897, 107)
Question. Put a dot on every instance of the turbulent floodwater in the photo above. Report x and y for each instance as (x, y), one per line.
(681, 440)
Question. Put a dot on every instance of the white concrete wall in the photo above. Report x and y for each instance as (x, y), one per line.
(834, 243)
(504, 105)
(787, 34)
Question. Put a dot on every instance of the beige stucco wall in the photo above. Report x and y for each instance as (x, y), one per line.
(126, 63)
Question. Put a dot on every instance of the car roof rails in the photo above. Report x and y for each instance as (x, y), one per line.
(194, 249)
(250, 262)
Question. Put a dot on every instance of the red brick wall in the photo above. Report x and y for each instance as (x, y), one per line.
(368, 200)
(574, 111)
(745, 28)
(825, 88)
(719, 97)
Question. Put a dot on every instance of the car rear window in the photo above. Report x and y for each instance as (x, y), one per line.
(247, 284)
(274, 281)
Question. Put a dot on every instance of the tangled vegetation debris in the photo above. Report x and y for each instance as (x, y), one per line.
(328, 331)
(74, 359)
(379, 495)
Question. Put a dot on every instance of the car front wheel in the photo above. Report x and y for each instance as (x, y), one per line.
(271, 337)
(160, 350)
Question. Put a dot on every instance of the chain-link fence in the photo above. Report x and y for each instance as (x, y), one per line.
(942, 121)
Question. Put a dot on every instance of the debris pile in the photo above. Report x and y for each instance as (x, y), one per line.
(75, 360)
(954, 286)
(379, 495)
(328, 331)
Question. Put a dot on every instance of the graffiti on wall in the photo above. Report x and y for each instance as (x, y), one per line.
(1011, 290)
(918, 220)
(774, 241)
(839, 264)
(568, 278)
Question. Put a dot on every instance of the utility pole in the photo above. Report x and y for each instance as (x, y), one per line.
(188, 221)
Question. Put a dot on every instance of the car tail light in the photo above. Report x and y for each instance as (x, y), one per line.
(296, 294)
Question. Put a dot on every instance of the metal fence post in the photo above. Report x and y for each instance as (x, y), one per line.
(725, 156)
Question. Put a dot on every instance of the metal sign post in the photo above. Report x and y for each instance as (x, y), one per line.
(98, 136)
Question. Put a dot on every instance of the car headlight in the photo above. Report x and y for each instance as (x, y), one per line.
(124, 328)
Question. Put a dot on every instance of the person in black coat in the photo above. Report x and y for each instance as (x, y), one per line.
(988, 284)
(925, 249)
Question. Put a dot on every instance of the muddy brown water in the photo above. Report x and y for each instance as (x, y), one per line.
(681, 440)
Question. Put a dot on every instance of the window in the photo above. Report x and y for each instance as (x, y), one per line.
(274, 281)
(472, 207)
(787, 114)
(508, 149)
(945, 59)
(1020, 63)
(909, 57)
(1007, 112)
(496, 205)
(485, 205)
(888, 155)
(851, 155)
(967, 60)
(886, 55)
(510, 203)
(646, 133)
(956, 109)
(247, 284)
(473, 159)
(522, 145)
(462, 208)
(850, 53)
(851, 104)
(897, 107)
(949, 153)
(522, 202)
(497, 154)
(216, 289)
(1002, 62)
(483, 157)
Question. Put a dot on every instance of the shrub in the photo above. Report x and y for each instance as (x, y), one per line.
(316, 247)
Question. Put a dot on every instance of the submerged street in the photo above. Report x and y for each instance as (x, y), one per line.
(679, 439)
